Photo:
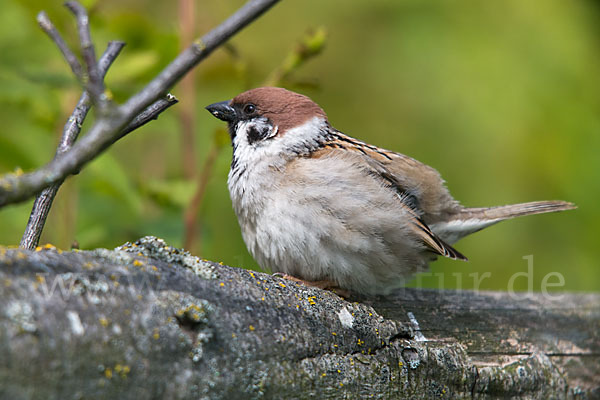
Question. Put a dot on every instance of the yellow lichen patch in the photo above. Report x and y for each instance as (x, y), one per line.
(233, 335)
(108, 94)
(281, 284)
(311, 300)
(40, 279)
(122, 370)
(263, 298)
(103, 321)
(251, 327)
(108, 373)
(222, 284)
(153, 267)
(252, 274)
(137, 263)
(155, 334)
(334, 334)
(39, 248)
(200, 44)
(193, 312)
(323, 374)
(360, 342)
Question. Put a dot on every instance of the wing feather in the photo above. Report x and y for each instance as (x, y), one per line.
(377, 159)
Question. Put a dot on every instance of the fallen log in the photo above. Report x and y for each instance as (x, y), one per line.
(150, 321)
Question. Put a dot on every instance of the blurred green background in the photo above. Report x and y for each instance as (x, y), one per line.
(503, 98)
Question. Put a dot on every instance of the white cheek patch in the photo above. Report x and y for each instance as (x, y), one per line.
(249, 153)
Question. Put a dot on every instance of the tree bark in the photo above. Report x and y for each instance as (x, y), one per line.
(150, 321)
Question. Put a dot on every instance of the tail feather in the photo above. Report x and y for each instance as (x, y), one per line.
(513, 210)
(470, 220)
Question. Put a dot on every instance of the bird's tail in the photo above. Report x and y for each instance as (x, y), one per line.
(470, 220)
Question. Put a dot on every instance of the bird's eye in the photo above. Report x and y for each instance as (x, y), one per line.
(249, 108)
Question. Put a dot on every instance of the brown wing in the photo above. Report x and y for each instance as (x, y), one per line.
(408, 178)
(422, 182)
(431, 239)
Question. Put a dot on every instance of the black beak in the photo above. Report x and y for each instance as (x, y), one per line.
(223, 111)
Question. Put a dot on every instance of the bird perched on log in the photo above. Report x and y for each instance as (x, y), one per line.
(331, 210)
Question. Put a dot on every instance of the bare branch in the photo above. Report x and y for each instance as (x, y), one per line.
(43, 203)
(95, 84)
(150, 113)
(74, 123)
(48, 27)
(15, 187)
(195, 53)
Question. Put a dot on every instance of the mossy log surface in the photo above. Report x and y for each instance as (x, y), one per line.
(150, 321)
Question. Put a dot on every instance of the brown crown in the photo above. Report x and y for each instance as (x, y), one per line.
(284, 108)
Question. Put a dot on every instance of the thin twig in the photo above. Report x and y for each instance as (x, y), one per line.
(48, 27)
(95, 83)
(310, 46)
(150, 113)
(195, 53)
(43, 203)
(74, 123)
(16, 187)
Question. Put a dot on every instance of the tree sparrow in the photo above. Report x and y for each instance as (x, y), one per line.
(318, 205)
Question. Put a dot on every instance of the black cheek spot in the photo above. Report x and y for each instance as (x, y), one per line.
(255, 134)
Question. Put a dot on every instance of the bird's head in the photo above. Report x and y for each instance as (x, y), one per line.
(262, 116)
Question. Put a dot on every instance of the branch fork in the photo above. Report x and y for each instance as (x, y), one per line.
(114, 121)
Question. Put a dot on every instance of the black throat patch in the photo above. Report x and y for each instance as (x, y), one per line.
(257, 133)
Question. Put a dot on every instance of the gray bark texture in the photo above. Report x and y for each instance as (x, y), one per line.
(150, 321)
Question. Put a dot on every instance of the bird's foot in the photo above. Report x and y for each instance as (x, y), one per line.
(323, 284)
